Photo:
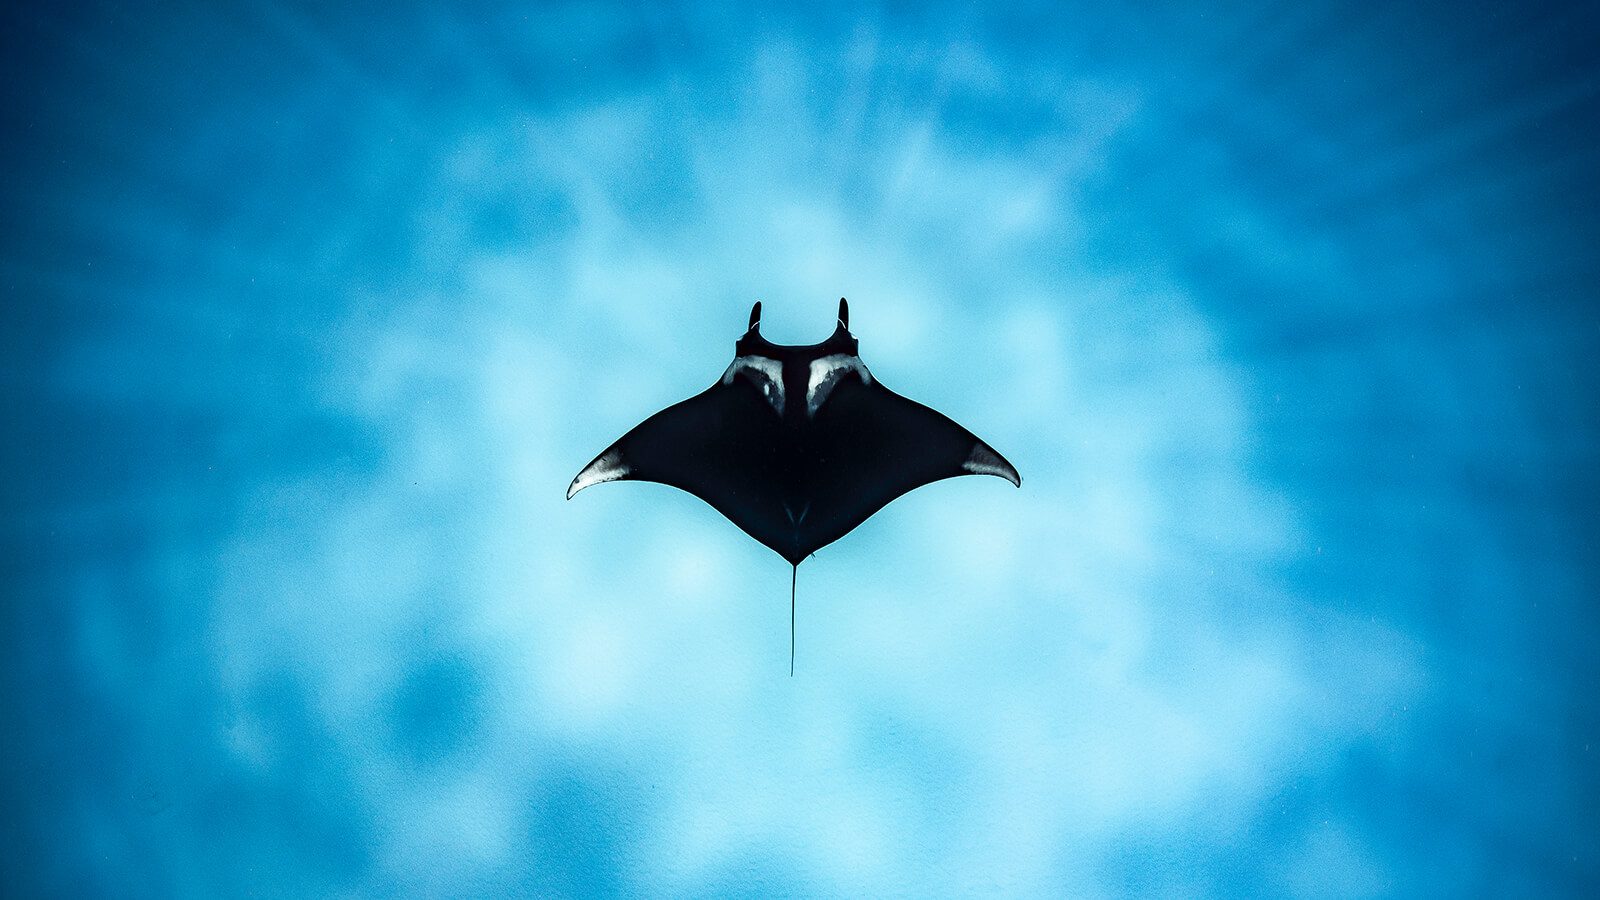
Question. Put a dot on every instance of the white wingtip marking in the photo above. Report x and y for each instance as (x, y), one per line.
(984, 461)
(608, 466)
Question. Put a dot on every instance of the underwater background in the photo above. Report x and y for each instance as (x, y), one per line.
(1287, 313)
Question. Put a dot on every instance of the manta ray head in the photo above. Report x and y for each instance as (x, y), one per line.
(796, 379)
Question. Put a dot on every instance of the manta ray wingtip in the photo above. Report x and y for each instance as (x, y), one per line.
(608, 466)
(983, 460)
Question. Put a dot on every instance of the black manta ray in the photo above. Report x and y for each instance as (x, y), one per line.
(797, 445)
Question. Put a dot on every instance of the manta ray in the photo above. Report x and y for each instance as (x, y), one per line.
(796, 445)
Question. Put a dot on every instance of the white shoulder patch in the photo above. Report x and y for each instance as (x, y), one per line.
(825, 375)
(764, 372)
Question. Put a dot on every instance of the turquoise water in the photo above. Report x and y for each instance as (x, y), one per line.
(1287, 315)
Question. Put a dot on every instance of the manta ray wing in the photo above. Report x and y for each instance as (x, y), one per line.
(873, 445)
(723, 445)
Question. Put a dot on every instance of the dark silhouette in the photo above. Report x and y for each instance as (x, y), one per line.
(796, 445)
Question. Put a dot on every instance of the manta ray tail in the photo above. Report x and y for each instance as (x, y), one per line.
(794, 575)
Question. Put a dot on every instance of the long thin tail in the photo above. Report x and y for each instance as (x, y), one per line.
(794, 574)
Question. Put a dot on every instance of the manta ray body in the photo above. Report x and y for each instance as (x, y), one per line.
(796, 445)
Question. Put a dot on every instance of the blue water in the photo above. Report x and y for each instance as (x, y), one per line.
(1288, 316)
